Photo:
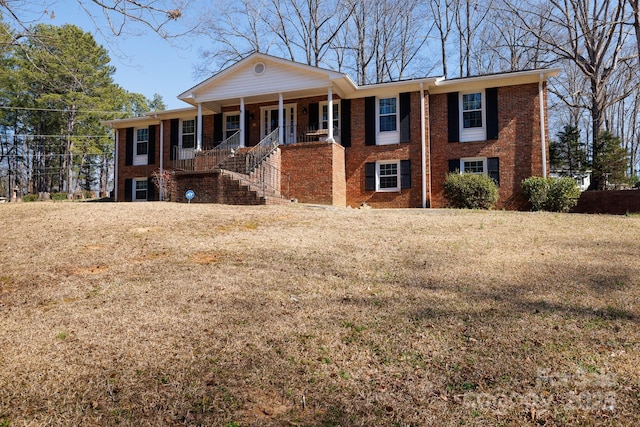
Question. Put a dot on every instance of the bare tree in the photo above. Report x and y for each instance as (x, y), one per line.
(236, 30)
(635, 8)
(444, 13)
(591, 35)
(120, 15)
(309, 26)
(469, 18)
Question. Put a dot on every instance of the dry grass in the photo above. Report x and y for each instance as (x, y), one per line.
(175, 314)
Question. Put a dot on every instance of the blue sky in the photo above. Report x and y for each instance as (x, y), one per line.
(145, 62)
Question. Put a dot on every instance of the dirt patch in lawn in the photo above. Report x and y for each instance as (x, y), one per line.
(178, 314)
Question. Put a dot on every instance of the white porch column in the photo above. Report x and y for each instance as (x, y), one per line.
(242, 130)
(199, 128)
(280, 120)
(330, 116)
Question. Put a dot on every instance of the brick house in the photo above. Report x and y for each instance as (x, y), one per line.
(268, 129)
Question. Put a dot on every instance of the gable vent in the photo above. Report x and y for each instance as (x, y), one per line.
(259, 68)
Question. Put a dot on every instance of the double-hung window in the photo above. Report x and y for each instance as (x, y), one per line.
(188, 138)
(388, 175)
(387, 124)
(140, 189)
(477, 165)
(141, 155)
(472, 109)
(388, 114)
(231, 124)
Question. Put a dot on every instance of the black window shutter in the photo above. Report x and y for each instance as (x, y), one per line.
(453, 116)
(217, 128)
(151, 153)
(128, 184)
(405, 173)
(454, 165)
(345, 122)
(128, 161)
(313, 116)
(405, 117)
(247, 126)
(370, 120)
(370, 176)
(151, 189)
(173, 137)
(493, 169)
(492, 113)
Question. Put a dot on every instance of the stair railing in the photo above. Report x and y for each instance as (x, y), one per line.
(257, 154)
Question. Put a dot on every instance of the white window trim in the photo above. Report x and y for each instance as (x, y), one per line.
(473, 134)
(388, 137)
(187, 153)
(474, 159)
(134, 192)
(224, 121)
(140, 159)
(398, 175)
(180, 133)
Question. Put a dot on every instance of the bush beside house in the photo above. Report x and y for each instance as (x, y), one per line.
(551, 194)
(470, 191)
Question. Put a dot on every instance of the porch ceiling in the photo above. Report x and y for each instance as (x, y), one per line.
(265, 98)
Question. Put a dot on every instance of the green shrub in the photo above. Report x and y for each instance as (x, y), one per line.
(59, 196)
(551, 194)
(536, 188)
(30, 198)
(470, 191)
(563, 194)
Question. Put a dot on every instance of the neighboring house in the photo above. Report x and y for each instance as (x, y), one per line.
(266, 128)
(583, 179)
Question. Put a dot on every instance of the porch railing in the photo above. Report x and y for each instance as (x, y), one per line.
(313, 134)
(209, 158)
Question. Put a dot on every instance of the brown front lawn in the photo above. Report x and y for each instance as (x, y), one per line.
(174, 314)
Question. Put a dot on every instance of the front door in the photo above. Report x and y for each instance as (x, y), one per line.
(269, 122)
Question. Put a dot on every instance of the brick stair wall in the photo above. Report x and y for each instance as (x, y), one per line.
(226, 185)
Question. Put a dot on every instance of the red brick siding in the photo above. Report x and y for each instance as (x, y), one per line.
(129, 172)
(316, 172)
(359, 154)
(518, 145)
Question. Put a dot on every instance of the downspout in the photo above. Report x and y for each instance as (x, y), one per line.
(543, 133)
(161, 159)
(115, 167)
(424, 148)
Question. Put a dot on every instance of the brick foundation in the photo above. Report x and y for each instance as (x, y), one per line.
(314, 172)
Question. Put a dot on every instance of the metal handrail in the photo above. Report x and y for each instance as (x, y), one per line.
(257, 154)
(268, 179)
